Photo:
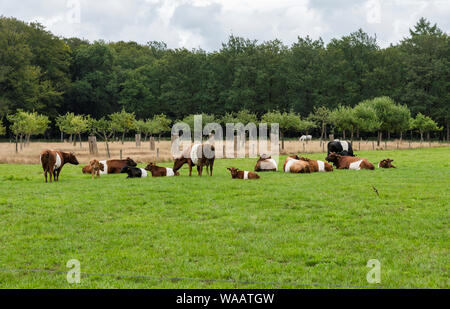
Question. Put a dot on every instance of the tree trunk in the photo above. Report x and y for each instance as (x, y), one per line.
(322, 134)
(380, 136)
(21, 142)
(62, 137)
(17, 144)
(389, 135)
(357, 133)
(421, 137)
(79, 135)
(351, 135)
(401, 137)
(428, 136)
(343, 134)
(107, 148)
(282, 140)
(123, 138)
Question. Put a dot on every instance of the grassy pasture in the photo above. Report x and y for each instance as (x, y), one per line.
(318, 229)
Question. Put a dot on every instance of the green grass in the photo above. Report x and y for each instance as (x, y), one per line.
(318, 229)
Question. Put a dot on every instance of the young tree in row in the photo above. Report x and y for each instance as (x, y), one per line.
(103, 129)
(366, 118)
(344, 119)
(123, 122)
(287, 122)
(321, 117)
(385, 109)
(206, 118)
(74, 125)
(424, 124)
(24, 125)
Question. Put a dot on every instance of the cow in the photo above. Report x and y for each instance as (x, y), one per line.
(304, 138)
(197, 155)
(160, 171)
(96, 167)
(112, 166)
(266, 164)
(386, 163)
(293, 164)
(350, 163)
(318, 166)
(53, 161)
(237, 174)
(341, 147)
(134, 172)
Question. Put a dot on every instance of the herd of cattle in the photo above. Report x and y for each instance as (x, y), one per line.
(340, 154)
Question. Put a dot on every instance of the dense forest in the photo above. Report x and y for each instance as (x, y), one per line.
(50, 75)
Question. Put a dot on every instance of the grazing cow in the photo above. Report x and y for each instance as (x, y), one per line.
(350, 163)
(341, 147)
(53, 161)
(197, 155)
(134, 172)
(386, 163)
(266, 164)
(304, 138)
(160, 171)
(96, 167)
(293, 164)
(318, 166)
(115, 166)
(237, 174)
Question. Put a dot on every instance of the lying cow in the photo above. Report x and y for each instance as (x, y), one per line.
(237, 174)
(53, 161)
(386, 163)
(341, 147)
(197, 154)
(318, 166)
(134, 172)
(293, 164)
(112, 166)
(266, 164)
(350, 163)
(304, 138)
(160, 171)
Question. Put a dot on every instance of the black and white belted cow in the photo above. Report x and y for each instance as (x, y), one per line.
(342, 148)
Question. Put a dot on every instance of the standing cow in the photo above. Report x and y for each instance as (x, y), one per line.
(53, 161)
(197, 155)
(349, 163)
(341, 147)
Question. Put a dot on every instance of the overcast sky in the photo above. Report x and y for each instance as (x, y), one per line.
(208, 23)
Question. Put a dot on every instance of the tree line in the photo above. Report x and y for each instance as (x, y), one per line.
(378, 115)
(45, 74)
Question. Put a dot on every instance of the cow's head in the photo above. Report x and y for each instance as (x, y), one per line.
(130, 162)
(150, 166)
(72, 159)
(333, 157)
(179, 163)
(234, 171)
(387, 163)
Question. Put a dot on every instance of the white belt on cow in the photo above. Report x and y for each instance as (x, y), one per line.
(144, 173)
(355, 165)
(58, 161)
(321, 165)
(169, 172)
(105, 168)
(194, 156)
(245, 175)
(287, 168)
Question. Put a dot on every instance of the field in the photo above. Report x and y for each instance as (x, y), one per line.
(282, 231)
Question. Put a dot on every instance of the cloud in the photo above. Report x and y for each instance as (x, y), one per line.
(208, 23)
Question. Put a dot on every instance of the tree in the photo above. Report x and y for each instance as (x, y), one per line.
(287, 122)
(72, 124)
(321, 116)
(24, 125)
(206, 118)
(103, 129)
(424, 124)
(366, 117)
(162, 124)
(385, 109)
(401, 122)
(123, 122)
(344, 119)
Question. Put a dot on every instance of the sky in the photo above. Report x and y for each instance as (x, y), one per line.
(207, 24)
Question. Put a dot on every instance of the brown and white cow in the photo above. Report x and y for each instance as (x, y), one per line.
(386, 163)
(350, 163)
(96, 168)
(318, 166)
(197, 155)
(111, 166)
(266, 164)
(53, 161)
(237, 174)
(293, 164)
(158, 171)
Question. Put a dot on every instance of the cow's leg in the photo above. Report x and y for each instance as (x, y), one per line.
(50, 171)
(211, 168)
(190, 169)
(57, 174)
(45, 175)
